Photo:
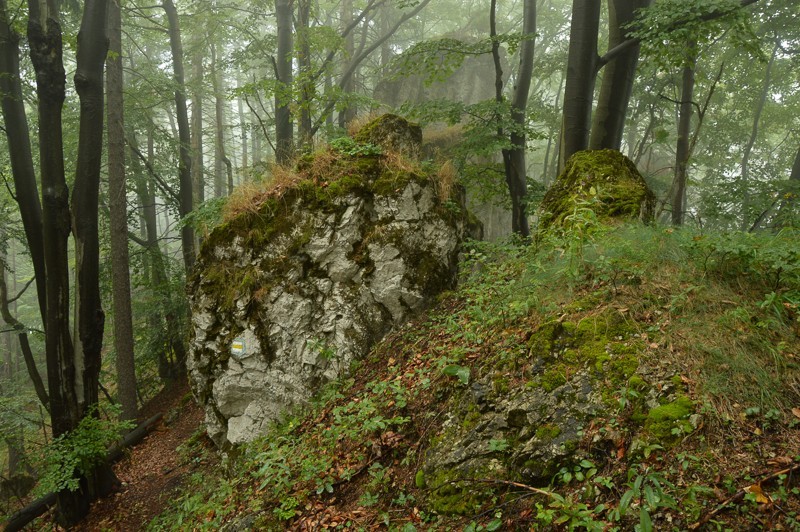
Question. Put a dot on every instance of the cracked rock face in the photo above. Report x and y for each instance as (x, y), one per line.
(274, 318)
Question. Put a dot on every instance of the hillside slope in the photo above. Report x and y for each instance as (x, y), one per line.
(604, 379)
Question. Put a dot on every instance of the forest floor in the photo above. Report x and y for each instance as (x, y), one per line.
(153, 470)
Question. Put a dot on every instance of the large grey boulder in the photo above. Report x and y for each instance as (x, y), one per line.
(284, 299)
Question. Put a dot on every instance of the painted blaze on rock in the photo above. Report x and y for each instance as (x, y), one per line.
(284, 299)
(605, 181)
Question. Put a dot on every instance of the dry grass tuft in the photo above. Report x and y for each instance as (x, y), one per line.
(445, 180)
(393, 160)
(355, 125)
(250, 196)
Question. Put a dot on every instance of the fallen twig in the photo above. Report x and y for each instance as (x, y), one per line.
(739, 495)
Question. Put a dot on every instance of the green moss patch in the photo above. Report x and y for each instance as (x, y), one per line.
(604, 181)
(668, 422)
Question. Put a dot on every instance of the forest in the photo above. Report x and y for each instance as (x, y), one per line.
(133, 131)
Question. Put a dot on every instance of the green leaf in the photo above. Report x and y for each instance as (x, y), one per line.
(455, 370)
(645, 523)
(493, 525)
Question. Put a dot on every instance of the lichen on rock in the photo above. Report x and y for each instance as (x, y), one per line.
(285, 298)
(604, 181)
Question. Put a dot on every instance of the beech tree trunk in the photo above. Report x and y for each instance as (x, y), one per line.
(348, 82)
(20, 153)
(514, 158)
(118, 212)
(748, 149)
(306, 80)
(581, 76)
(198, 167)
(27, 193)
(221, 162)
(618, 77)
(284, 131)
(682, 150)
(185, 160)
(73, 370)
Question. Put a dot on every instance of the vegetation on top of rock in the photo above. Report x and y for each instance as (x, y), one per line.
(675, 353)
(604, 182)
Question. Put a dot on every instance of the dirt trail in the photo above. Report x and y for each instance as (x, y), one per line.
(152, 470)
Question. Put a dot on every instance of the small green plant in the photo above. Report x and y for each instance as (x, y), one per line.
(78, 452)
(348, 146)
(461, 372)
(648, 489)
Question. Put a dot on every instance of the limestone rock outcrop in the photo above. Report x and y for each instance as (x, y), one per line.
(284, 298)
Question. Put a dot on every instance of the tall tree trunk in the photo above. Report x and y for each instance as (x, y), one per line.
(73, 370)
(185, 159)
(306, 80)
(198, 166)
(514, 158)
(618, 78)
(349, 82)
(581, 76)
(19, 153)
(27, 193)
(243, 125)
(220, 158)
(118, 212)
(682, 151)
(284, 131)
(155, 261)
(748, 148)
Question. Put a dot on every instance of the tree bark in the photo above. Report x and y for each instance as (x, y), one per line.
(514, 158)
(185, 160)
(581, 76)
(348, 82)
(306, 81)
(284, 131)
(219, 138)
(618, 77)
(20, 153)
(198, 166)
(682, 151)
(748, 148)
(118, 212)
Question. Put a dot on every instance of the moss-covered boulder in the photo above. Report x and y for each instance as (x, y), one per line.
(604, 181)
(285, 297)
(393, 133)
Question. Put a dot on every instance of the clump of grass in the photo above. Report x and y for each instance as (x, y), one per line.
(250, 196)
(446, 179)
(355, 125)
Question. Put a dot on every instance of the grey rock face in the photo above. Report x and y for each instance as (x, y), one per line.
(273, 322)
(527, 434)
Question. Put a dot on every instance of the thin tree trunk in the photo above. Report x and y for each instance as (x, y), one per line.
(514, 158)
(748, 149)
(284, 130)
(185, 160)
(306, 81)
(682, 151)
(198, 166)
(118, 212)
(348, 82)
(243, 125)
(219, 138)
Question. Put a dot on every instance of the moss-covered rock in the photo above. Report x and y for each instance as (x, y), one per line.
(393, 133)
(603, 181)
(285, 297)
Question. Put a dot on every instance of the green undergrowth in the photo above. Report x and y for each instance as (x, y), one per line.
(691, 341)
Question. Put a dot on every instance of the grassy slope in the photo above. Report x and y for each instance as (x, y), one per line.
(713, 318)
